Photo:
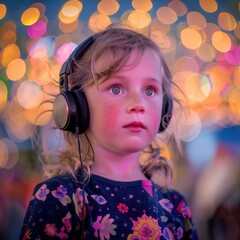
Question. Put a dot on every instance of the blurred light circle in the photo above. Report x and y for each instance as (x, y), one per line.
(99, 22)
(64, 51)
(209, 6)
(108, 7)
(188, 125)
(29, 94)
(233, 55)
(30, 16)
(10, 52)
(138, 19)
(197, 87)
(221, 41)
(3, 154)
(234, 102)
(37, 30)
(227, 21)
(236, 76)
(179, 7)
(206, 52)
(142, 5)
(3, 11)
(196, 20)
(191, 38)
(166, 15)
(16, 69)
(13, 153)
(3, 95)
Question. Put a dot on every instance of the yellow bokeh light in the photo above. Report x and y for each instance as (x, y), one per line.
(10, 52)
(142, 5)
(13, 153)
(196, 20)
(236, 76)
(108, 7)
(206, 52)
(209, 6)
(67, 28)
(70, 11)
(227, 21)
(15, 122)
(30, 16)
(221, 41)
(166, 15)
(234, 102)
(3, 11)
(16, 69)
(3, 154)
(197, 87)
(139, 20)
(210, 29)
(237, 31)
(191, 38)
(29, 94)
(179, 7)
(8, 37)
(99, 22)
(3, 96)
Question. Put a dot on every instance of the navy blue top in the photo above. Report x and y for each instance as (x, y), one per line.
(113, 210)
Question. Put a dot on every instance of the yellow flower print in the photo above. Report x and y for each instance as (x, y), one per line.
(145, 228)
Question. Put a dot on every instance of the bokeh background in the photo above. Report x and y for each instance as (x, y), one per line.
(200, 42)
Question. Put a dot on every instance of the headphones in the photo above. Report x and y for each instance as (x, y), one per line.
(70, 107)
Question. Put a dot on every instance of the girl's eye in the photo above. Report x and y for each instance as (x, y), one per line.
(149, 91)
(116, 90)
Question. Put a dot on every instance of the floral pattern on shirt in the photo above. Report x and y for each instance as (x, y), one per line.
(106, 210)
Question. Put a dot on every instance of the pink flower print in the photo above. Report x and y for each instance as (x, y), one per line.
(42, 193)
(179, 233)
(104, 227)
(184, 209)
(62, 235)
(67, 221)
(166, 204)
(122, 208)
(167, 233)
(61, 195)
(50, 230)
(145, 228)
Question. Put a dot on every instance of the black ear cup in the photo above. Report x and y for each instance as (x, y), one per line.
(70, 111)
(166, 112)
(70, 107)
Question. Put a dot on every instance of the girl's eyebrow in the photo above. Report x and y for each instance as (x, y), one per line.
(123, 77)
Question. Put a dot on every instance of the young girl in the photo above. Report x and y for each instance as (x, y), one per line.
(120, 87)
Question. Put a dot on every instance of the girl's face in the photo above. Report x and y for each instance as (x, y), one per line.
(125, 110)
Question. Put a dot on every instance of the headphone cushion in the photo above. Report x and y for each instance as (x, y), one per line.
(70, 111)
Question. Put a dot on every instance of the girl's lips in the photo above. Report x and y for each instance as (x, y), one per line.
(135, 125)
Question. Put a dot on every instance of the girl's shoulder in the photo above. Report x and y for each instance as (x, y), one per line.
(63, 183)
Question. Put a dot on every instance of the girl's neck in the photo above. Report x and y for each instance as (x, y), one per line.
(118, 167)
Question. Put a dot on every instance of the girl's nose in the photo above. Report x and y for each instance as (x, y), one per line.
(135, 104)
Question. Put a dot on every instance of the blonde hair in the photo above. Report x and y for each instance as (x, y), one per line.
(113, 46)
